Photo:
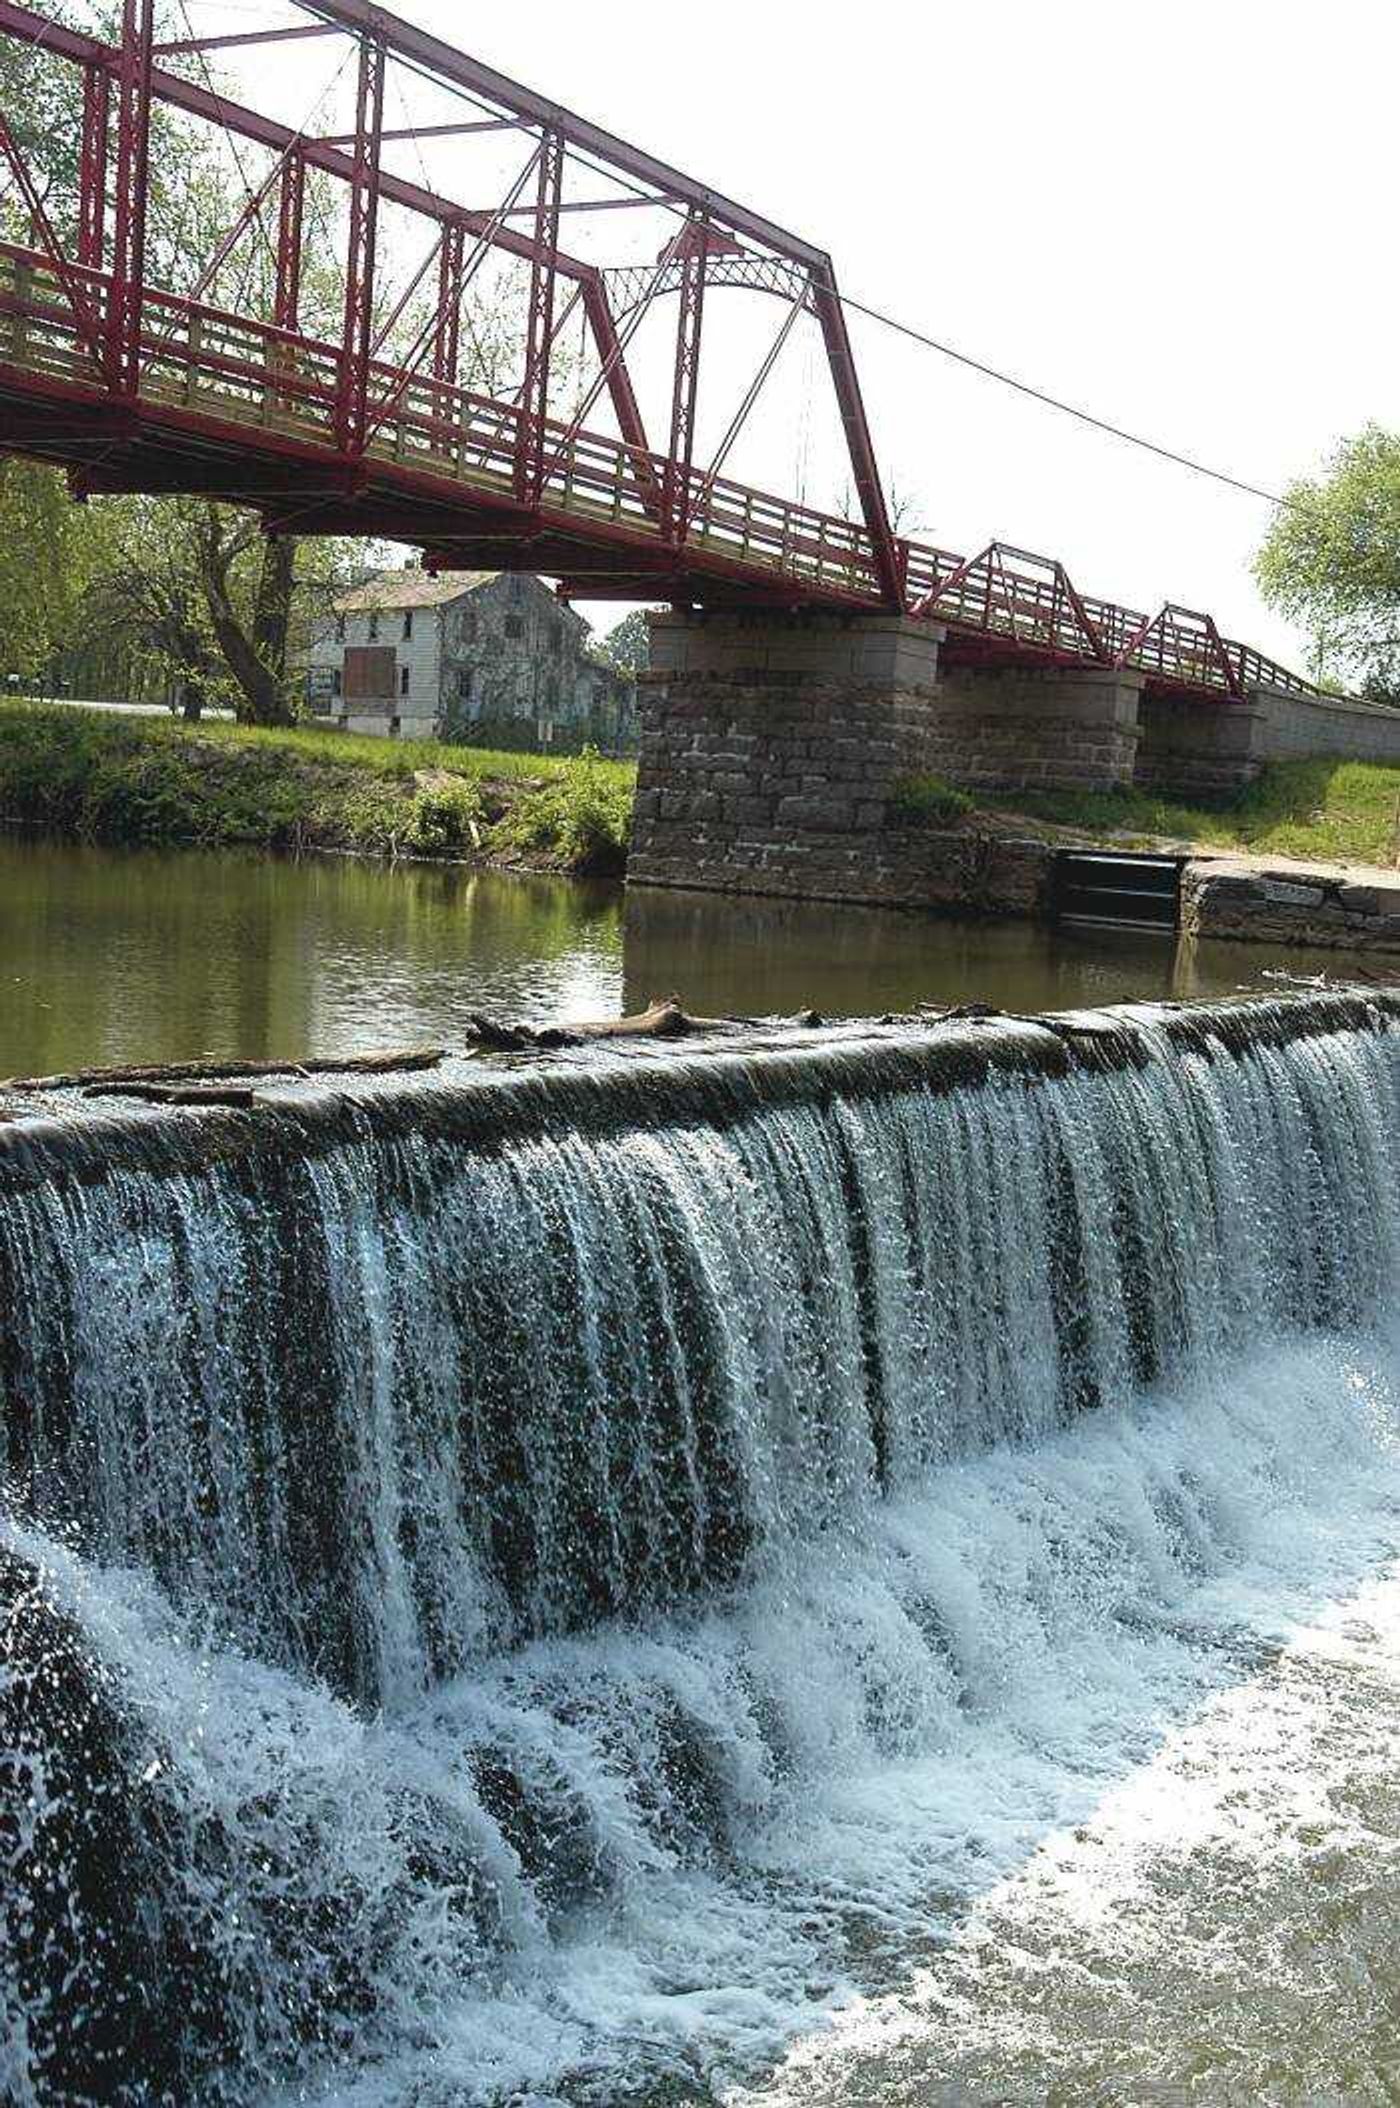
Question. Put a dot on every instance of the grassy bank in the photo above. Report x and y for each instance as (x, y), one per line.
(1338, 811)
(106, 778)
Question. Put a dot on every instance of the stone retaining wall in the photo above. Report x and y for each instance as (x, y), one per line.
(1190, 749)
(1221, 898)
(774, 748)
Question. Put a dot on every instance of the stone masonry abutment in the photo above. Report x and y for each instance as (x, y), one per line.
(775, 749)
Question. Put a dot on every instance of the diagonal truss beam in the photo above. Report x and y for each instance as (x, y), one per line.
(90, 328)
(754, 390)
(433, 329)
(221, 110)
(889, 562)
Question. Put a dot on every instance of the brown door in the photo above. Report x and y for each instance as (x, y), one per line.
(369, 673)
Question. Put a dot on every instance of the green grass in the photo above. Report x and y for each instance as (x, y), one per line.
(923, 801)
(383, 757)
(107, 778)
(1340, 811)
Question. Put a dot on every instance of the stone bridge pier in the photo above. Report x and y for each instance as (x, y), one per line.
(776, 751)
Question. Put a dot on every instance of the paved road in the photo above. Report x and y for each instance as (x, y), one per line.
(92, 702)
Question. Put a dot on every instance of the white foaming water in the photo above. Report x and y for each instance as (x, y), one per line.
(892, 1612)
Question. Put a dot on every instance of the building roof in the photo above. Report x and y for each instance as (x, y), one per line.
(411, 589)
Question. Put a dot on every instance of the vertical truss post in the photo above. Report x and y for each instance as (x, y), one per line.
(534, 394)
(680, 454)
(92, 169)
(358, 328)
(447, 326)
(890, 560)
(132, 188)
(286, 310)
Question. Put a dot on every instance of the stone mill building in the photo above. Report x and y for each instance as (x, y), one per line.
(491, 658)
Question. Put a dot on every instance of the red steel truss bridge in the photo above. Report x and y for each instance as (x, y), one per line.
(348, 413)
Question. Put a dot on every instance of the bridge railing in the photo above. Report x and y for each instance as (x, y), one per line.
(1009, 594)
(39, 327)
(200, 359)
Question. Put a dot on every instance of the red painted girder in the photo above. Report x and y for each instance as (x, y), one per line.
(358, 329)
(889, 564)
(216, 109)
(181, 45)
(442, 58)
(92, 173)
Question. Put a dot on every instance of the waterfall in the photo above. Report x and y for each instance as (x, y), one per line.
(475, 1555)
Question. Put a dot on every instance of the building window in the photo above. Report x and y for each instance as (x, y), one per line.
(336, 681)
(407, 624)
(464, 684)
(403, 680)
(373, 628)
(515, 625)
(340, 629)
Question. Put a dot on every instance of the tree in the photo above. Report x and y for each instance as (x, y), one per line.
(45, 554)
(627, 644)
(198, 594)
(1331, 560)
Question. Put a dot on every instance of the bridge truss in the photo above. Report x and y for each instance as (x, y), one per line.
(381, 417)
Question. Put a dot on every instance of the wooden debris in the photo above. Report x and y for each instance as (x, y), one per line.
(241, 1097)
(660, 1020)
(172, 1072)
(1048, 1021)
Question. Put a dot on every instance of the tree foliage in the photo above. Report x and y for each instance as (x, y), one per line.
(45, 559)
(187, 593)
(627, 644)
(212, 607)
(1331, 560)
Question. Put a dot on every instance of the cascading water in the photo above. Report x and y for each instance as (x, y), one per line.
(529, 1589)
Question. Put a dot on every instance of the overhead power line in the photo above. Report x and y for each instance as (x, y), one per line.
(1055, 402)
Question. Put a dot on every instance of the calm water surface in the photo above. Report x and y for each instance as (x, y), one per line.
(108, 956)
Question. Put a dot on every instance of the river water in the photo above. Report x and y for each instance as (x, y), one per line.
(113, 957)
(864, 1577)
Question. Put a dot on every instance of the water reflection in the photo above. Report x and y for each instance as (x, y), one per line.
(726, 955)
(107, 957)
(115, 957)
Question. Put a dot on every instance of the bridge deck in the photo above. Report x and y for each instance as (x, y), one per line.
(234, 407)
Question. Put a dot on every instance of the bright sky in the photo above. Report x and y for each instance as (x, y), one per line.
(1181, 216)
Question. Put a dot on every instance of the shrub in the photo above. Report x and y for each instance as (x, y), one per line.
(922, 801)
(580, 820)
